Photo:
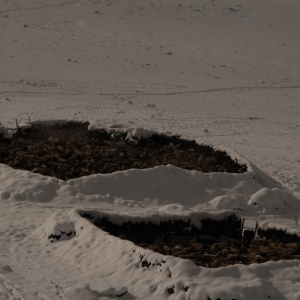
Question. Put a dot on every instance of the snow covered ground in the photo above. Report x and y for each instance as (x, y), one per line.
(224, 73)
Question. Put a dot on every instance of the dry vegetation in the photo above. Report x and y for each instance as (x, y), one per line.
(71, 151)
(216, 244)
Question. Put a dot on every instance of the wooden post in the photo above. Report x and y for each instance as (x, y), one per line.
(243, 222)
(256, 227)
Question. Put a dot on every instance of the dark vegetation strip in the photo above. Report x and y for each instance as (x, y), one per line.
(70, 151)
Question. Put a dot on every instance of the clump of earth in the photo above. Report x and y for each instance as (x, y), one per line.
(71, 150)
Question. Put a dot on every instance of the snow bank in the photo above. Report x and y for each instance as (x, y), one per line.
(145, 274)
(165, 213)
(18, 185)
(155, 187)
(282, 201)
(25, 125)
(265, 226)
(83, 291)
(164, 185)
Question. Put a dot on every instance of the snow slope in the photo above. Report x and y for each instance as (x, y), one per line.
(226, 74)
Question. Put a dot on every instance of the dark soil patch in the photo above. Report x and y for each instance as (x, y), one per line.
(71, 151)
(216, 244)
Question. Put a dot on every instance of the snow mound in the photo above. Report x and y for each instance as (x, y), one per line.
(281, 201)
(139, 133)
(132, 133)
(25, 125)
(174, 207)
(249, 193)
(18, 185)
(83, 291)
(164, 185)
(58, 228)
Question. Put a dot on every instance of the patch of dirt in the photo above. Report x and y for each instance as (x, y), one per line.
(211, 252)
(214, 245)
(71, 151)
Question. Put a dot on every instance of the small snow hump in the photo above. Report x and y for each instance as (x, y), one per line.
(58, 228)
(83, 291)
(174, 207)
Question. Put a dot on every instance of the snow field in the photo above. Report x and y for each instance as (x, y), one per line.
(222, 73)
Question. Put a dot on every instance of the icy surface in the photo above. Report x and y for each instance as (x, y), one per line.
(222, 73)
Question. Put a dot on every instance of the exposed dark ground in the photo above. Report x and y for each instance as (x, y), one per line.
(216, 244)
(71, 151)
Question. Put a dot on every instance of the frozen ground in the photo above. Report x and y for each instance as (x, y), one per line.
(223, 73)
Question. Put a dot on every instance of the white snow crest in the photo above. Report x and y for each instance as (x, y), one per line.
(18, 185)
(247, 193)
(266, 225)
(83, 291)
(133, 133)
(165, 213)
